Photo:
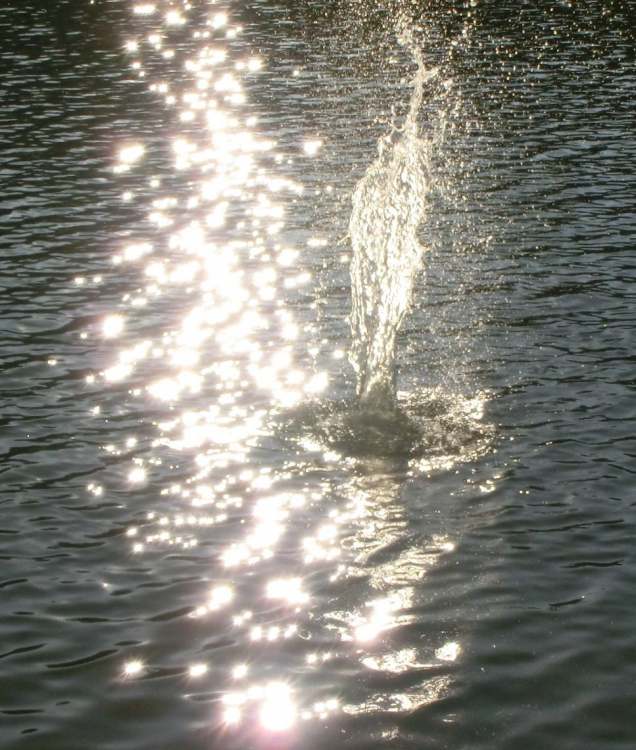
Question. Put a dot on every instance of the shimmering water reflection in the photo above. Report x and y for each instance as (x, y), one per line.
(225, 372)
(205, 543)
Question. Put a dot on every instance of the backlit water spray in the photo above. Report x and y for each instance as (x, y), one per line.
(389, 205)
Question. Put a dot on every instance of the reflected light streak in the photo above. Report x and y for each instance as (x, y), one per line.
(145, 9)
(131, 154)
(219, 20)
(449, 651)
(381, 618)
(133, 668)
(278, 711)
(312, 147)
(220, 596)
(287, 589)
(395, 663)
(232, 715)
(137, 475)
(112, 326)
(218, 247)
(225, 362)
(197, 670)
(240, 671)
(174, 18)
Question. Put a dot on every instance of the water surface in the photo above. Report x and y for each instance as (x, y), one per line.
(192, 553)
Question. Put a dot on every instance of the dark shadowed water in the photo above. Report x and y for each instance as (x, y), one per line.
(201, 544)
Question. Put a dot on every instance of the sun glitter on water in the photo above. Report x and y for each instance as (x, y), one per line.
(207, 339)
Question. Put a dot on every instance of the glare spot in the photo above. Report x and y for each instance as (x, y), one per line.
(311, 148)
(318, 383)
(239, 671)
(448, 652)
(287, 257)
(381, 617)
(256, 633)
(131, 154)
(112, 326)
(219, 20)
(197, 670)
(220, 596)
(287, 589)
(232, 715)
(137, 475)
(174, 18)
(136, 251)
(145, 9)
(133, 668)
(278, 712)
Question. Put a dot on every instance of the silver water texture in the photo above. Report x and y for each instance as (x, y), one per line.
(448, 605)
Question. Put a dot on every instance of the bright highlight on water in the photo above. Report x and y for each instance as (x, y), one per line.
(217, 533)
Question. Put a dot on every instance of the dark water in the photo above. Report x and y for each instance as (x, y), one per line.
(183, 564)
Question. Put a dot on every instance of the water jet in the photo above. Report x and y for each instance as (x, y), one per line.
(389, 205)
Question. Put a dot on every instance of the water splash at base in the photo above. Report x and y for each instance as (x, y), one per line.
(431, 427)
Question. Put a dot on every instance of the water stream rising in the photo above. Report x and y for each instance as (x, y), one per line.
(389, 205)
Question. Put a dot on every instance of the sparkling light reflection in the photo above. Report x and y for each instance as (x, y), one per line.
(198, 670)
(112, 326)
(219, 352)
(133, 668)
(278, 711)
(448, 652)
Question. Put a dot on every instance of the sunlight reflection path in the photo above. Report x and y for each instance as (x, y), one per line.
(273, 533)
(216, 242)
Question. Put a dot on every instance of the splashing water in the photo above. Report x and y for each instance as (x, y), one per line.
(432, 427)
(389, 205)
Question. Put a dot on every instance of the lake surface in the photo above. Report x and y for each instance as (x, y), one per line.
(193, 554)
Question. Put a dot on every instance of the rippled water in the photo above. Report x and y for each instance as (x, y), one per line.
(198, 548)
